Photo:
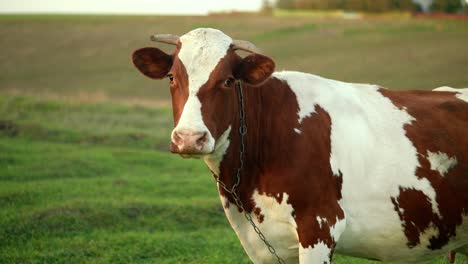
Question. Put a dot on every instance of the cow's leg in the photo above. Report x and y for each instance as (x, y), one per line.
(451, 256)
(318, 236)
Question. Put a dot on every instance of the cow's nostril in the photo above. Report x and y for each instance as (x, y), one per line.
(177, 138)
(201, 141)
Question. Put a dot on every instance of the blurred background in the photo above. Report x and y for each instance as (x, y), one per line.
(85, 175)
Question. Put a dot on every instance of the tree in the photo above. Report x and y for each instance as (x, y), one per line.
(378, 5)
(446, 6)
(267, 7)
(404, 5)
(354, 5)
(285, 4)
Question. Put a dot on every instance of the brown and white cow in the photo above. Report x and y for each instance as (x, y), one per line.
(329, 166)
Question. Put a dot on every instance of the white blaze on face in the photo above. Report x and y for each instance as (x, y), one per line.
(200, 53)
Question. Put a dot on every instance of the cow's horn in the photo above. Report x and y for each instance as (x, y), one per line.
(166, 38)
(245, 45)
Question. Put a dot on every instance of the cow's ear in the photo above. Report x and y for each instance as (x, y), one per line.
(255, 69)
(152, 62)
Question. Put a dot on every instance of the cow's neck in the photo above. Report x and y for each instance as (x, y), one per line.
(267, 107)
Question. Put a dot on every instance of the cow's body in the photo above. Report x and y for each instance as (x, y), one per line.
(332, 166)
(373, 154)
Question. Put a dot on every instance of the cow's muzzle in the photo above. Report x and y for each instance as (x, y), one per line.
(189, 142)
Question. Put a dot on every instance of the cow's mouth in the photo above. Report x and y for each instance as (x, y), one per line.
(189, 152)
(191, 156)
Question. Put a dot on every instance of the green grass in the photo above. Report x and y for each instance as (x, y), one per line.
(85, 176)
(93, 203)
(67, 200)
(103, 123)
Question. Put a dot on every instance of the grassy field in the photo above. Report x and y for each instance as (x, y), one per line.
(84, 171)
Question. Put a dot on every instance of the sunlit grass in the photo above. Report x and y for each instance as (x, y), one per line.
(69, 55)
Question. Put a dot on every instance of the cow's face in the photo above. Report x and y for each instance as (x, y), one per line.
(202, 73)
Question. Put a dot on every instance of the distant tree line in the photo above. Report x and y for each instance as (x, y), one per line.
(448, 6)
(350, 5)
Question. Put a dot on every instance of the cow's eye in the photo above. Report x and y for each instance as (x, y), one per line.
(229, 82)
(171, 77)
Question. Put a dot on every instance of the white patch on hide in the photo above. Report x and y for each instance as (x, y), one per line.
(318, 253)
(441, 162)
(278, 226)
(321, 220)
(337, 229)
(462, 93)
(214, 159)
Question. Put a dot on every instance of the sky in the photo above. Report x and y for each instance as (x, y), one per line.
(196, 7)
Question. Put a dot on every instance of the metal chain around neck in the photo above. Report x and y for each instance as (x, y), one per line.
(233, 190)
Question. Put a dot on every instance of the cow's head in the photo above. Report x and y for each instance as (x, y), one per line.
(202, 73)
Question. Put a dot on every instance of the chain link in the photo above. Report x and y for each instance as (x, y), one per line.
(233, 190)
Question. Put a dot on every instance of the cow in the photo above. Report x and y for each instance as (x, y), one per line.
(315, 165)
(451, 254)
